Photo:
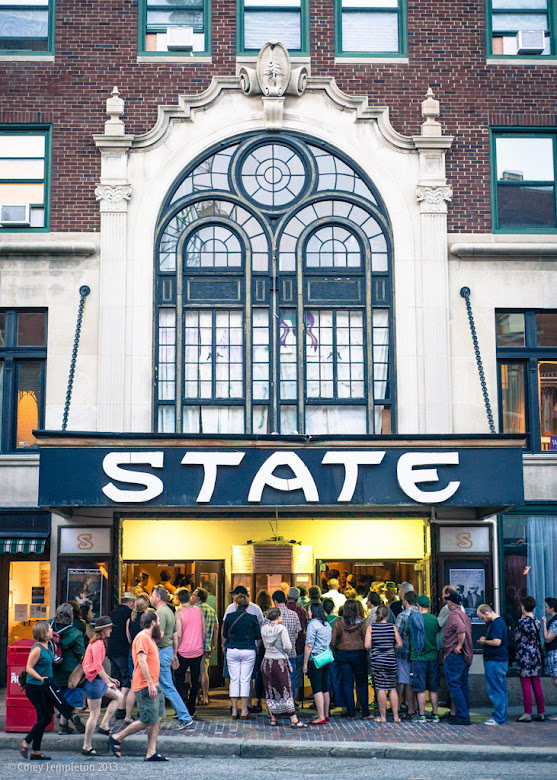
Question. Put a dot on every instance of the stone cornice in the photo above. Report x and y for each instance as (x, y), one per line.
(504, 250)
(49, 248)
(187, 106)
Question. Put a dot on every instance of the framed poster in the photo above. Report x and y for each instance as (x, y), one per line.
(85, 586)
(37, 595)
(471, 587)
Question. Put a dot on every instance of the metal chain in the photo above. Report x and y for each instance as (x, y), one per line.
(465, 293)
(84, 292)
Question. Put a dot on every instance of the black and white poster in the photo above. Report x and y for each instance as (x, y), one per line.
(470, 586)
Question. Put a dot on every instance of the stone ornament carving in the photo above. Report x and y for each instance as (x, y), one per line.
(273, 77)
(434, 199)
(113, 198)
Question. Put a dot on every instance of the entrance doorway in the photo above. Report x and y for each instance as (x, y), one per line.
(189, 574)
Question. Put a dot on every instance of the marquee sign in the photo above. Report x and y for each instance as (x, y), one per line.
(243, 477)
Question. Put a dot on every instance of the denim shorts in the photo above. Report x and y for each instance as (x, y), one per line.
(95, 689)
(74, 696)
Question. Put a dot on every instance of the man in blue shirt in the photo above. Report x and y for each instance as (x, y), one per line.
(496, 662)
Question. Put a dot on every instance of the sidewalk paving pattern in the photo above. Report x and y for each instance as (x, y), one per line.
(216, 733)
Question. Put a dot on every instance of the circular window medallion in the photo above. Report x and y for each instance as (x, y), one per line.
(273, 175)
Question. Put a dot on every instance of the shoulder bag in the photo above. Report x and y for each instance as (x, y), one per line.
(321, 659)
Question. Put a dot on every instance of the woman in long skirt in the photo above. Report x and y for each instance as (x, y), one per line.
(275, 671)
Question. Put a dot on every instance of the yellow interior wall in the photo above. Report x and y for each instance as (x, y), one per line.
(182, 539)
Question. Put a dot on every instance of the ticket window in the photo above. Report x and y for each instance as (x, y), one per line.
(28, 597)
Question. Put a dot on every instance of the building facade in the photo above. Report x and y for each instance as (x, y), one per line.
(311, 252)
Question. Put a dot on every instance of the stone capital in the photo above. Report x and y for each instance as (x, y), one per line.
(433, 200)
(113, 198)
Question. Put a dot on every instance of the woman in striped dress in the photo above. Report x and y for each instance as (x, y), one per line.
(382, 639)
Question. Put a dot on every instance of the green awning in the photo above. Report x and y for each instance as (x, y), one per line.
(25, 546)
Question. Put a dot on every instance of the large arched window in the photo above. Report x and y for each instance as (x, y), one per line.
(273, 295)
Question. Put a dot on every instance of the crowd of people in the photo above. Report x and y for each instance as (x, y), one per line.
(342, 641)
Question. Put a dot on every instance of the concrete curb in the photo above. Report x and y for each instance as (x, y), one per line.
(246, 748)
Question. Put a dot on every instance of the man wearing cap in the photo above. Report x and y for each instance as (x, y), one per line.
(458, 654)
(118, 650)
(252, 608)
(424, 669)
(292, 603)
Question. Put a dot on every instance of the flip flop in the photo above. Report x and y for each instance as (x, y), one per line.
(106, 732)
(115, 746)
(298, 725)
(156, 757)
(91, 752)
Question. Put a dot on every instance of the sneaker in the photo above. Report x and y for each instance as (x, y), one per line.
(491, 722)
(419, 718)
(76, 720)
(184, 724)
(64, 730)
(435, 719)
(458, 721)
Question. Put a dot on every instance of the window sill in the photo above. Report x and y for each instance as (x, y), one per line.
(540, 459)
(46, 247)
(26, 57)
(372, 60)
(517, 61)
(176, 59)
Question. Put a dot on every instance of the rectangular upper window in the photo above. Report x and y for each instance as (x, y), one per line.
(26, 27)
(22, 377)
(24, 158)
(527, 371)
(520, 28)
(370, 27)
(260, 21)
(175, 27)
(523, 170)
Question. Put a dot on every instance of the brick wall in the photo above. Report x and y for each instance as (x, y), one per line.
(447, 49)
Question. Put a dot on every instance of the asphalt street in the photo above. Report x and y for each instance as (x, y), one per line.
(212, 768)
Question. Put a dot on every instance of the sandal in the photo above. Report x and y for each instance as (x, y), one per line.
(24, 750)
(274, 723)
(106, 732)
(115, 746)
(91, 752)
(298, 725)
(39, 757)
(380, 720)
(156, 757)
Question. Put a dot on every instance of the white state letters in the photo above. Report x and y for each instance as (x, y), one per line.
(153, 485)
(303, 479)
(210, 462)
(407, 477)
(351, 461)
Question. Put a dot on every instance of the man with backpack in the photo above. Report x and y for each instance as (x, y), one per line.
(403, 654)
(424, 670)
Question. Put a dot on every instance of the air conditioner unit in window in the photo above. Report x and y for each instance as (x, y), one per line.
(15, 215)
(530, 42)
(179, 39)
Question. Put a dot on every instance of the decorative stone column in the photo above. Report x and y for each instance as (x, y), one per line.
(113, 192)
(432, 293)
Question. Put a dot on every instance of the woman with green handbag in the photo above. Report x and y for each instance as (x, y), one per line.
(317, 658)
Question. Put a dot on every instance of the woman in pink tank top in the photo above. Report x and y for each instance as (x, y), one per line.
(190, 626)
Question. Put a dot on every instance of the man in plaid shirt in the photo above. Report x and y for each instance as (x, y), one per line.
(199, 598)
(291, 622)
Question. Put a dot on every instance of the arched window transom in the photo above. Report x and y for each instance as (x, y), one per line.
(273, 295)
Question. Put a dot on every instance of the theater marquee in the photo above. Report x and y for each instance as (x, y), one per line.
(264, 476)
